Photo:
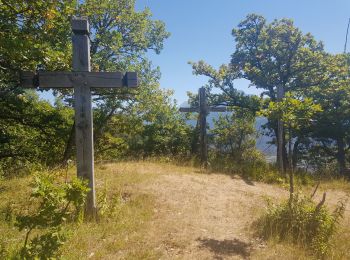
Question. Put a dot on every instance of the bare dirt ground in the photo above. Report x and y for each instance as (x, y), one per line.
(210, 216)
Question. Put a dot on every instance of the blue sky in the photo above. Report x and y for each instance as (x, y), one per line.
(201, 29)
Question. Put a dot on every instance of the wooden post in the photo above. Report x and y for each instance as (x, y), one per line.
(83, 110)
(203, 111)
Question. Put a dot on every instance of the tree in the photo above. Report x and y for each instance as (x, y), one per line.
(223, 80)
(153, 127)
(331, 130)
(277, 58)
(32, 132)
(235, 133)
(296, 115)
(121, 39)
(36, 35)
(33, 33)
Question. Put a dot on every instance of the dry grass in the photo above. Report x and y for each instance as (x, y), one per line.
(171, 212)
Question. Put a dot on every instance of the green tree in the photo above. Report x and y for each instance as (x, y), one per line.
(277, 57)
(235, 133)
(32, 34)
(32, 132)
(36, 34)
(121, 39)
(223, 79)
(152, 127)
(331, 130)
(296, 115)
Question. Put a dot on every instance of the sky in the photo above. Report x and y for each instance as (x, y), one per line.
(201, 30)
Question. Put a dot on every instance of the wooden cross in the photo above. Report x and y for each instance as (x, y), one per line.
(82, 80)
(203, 111)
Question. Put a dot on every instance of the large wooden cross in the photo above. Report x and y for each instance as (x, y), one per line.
(82, 80)
(203, 111)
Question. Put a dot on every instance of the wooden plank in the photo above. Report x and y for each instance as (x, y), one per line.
(131, 80)
(105, 80)
(218, 109)
(28, 79)
(80, 25)
(56, 79)
(83, 119)
(90, 79)
(188, 109)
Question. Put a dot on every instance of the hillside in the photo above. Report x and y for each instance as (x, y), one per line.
(163, 211)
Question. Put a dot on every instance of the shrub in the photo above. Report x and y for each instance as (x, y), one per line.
(301, 221)
(57, 203)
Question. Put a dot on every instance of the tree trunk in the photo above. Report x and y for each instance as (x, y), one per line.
(295, 153)
(280, 134)
(290, 150)
(341, 156)
(291, 170)
(283, 154)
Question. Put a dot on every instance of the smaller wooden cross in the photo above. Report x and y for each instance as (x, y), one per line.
(82, 80)
(203, 111)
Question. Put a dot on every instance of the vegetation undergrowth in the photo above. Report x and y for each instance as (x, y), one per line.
(62, 232)
(301, 221)
(54, 204)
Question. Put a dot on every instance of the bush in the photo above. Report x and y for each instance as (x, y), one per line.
(57, 203)
(301, 221)
(251, 165)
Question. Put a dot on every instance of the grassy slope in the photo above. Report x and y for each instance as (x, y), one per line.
(145, 196)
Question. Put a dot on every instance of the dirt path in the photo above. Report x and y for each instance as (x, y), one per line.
(210, 216)
(203, 216)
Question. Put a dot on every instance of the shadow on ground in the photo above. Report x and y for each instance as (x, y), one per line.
(226, 247)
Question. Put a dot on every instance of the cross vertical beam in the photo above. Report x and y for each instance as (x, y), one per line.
(83, 110)
(203, 112)
(82, 80)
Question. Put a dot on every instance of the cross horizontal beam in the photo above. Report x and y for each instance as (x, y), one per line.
(189, 109)
(71, 79)
(218, 109)
(210, 109)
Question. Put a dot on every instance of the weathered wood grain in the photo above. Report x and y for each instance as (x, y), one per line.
(83, 112)
(188, 109)
(70, 79)
(218, 109)
(82, 80)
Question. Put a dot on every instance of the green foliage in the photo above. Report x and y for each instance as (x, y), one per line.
(126, 122)
(235, 133)
(109, 205)
(33, 133)
(303, 222)
(293, 112)
(44, 246)
(57, 204)
(276, 54)
(32, 33)
(153, 127)
(223, 79)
